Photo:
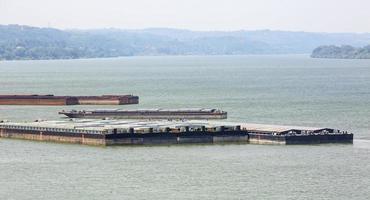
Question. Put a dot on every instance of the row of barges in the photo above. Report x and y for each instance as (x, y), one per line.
(139, 132)
(151, 126)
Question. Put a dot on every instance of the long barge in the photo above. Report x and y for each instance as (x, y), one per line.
(50, 100)
(148, 132)
(173, 114)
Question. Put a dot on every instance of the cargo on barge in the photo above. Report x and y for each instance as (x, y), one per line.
(186, 113)
(51, 100)
(148, 132)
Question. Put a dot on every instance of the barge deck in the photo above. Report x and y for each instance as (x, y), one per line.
(147, 132)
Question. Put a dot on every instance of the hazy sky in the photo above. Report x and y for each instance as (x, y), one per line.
(298, 15)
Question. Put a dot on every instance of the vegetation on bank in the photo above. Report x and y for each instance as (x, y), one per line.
(344, 52)
(24, 42)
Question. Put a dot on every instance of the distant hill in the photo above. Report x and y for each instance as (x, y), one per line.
(345, 52)
(25, 42)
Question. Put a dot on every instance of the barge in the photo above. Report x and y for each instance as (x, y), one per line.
(51, 100)
(174, 114)
(148, 132)
(108, 100)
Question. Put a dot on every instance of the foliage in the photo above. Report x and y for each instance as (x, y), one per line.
(25, 42)
(345, 51)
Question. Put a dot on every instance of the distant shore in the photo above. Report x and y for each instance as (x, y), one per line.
(157, 56)
(341, 52)
(18, 42)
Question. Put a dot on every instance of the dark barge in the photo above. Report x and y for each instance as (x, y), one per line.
(185, 113)
(118, 132)
(51, 100)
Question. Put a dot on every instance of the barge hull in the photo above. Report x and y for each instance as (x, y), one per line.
(319, 139)
(87, 139)
(143, 117)
(126, 139)
(108, 100)
(116, 132)
(301, 139)
(48, 101)
(170, 138)
(153, 114)
(51, 100)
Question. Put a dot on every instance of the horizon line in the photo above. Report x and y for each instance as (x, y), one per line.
(180, 29)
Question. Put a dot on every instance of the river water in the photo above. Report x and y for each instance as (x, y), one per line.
(284, 89)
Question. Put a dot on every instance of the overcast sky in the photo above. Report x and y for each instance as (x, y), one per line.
(296, 15)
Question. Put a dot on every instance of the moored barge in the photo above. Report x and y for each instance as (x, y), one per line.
(50, 100)
(147, 132)
(186, 113)
(108, 100)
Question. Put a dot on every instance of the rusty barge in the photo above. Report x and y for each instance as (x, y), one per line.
(167, 132)
(51, 100)
(172, 114)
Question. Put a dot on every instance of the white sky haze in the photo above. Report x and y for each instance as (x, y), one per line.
(294, 15)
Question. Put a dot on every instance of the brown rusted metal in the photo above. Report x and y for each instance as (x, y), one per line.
(51, 100)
